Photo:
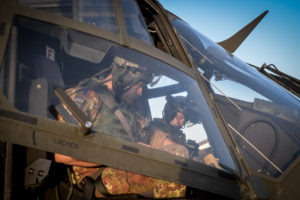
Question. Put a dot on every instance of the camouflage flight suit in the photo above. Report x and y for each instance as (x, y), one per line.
(116, 181)
(159, 130)
(173, 133)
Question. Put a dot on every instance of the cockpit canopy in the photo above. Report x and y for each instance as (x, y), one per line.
(263, 117)
(54, 57)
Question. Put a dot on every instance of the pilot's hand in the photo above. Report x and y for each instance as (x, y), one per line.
(147, 145)
(211, 160)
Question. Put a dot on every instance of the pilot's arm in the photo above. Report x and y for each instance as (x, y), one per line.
(68, 160)
(160, 140)
(89, 98)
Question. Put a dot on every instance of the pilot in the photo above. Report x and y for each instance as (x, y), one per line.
(166, 134)
(173, 120)
(100, 98)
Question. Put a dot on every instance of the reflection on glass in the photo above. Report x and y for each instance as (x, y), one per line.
(257, 110)
(94, 12)
(135, 23)
(124, 93)
(98, 13)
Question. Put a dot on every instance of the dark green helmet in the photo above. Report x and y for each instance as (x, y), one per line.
(181, 104)
(126, 74)
(173, 105)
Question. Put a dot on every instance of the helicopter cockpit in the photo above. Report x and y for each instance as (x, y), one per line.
(44, 55)
(80, 58)
(50, 57)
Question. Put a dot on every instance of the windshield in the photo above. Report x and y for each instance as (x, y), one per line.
(124, 93)
(263, 118)
(97, 13)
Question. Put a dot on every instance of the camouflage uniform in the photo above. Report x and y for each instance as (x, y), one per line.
(116, 181)
(173, 133)
(157, 141)
(120, 182)
(90, 103)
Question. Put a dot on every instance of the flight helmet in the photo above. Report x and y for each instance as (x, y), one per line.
(173, 105)
(126, 74)
(185, 105)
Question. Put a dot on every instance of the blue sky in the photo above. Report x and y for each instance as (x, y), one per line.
(275, 40)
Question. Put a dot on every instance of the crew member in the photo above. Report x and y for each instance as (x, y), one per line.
(101, 98)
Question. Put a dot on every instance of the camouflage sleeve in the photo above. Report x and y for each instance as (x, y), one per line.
(87, 100)
(167, 189)
(118, 181)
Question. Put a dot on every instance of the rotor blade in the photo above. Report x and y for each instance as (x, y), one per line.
(232, 43)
